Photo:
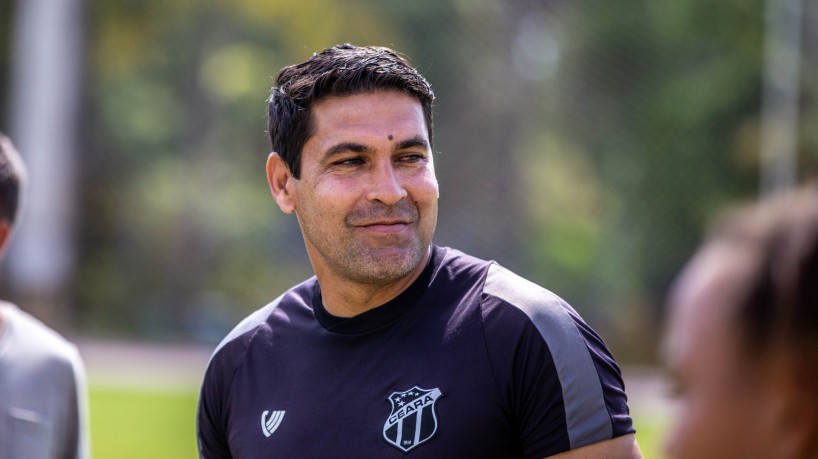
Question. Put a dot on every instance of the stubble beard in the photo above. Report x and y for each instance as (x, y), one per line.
(383, 262)
(374, 266)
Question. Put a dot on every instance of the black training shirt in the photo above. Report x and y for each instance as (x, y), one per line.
(470, 361)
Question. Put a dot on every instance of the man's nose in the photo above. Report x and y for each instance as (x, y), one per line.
(386, 185)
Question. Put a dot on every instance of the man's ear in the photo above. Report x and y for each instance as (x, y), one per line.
(281, 183)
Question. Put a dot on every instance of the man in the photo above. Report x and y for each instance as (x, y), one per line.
(42, 379)
(396, 347)
(743, 341)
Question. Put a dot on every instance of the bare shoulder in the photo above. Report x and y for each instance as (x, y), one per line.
(623, 447)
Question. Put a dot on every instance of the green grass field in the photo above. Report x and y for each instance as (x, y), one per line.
(650, 433)
(132, 423)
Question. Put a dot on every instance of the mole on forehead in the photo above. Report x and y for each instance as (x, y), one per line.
(390, 137)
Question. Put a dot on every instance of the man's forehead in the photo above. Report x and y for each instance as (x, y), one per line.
(388, 113)
(348, 102)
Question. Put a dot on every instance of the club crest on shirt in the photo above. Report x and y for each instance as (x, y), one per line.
(413, 419)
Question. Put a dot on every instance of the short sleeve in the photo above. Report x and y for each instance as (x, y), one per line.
(211, 422)
(562, 386)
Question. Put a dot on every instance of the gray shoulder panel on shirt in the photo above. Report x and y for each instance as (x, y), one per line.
(586, 415)
(248, 323)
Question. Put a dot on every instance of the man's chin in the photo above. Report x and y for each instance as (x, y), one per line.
(387, 265)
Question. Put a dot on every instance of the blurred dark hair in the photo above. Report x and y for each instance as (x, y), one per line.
(12, 179)
(778, 310)
(338, 71)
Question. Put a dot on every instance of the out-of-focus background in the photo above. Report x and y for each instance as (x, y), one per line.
(583, 144)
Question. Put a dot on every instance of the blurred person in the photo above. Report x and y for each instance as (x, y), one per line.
(396, 346)
(743, 338)
(42, 378)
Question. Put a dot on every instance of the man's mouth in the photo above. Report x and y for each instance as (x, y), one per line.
(385, 226)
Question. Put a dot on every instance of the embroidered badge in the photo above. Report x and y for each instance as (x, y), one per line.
(413, 419)
(269, 425)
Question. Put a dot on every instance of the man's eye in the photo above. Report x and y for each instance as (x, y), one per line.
(349, 162)
(411, 158)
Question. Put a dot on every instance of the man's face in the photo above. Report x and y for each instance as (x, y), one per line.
(367, 197)
(726, 403)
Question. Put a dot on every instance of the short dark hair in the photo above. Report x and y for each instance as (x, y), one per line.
(12, 179)
(778, 307)
(338, 71)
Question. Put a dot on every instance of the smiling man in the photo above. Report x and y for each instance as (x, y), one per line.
(397, 346)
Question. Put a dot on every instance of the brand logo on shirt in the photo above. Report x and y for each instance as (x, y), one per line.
(268, 426)
(413, 419)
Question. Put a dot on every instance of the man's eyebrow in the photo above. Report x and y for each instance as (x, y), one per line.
(344, 147)
(414, 142)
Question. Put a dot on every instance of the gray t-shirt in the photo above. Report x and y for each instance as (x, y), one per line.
(42, 391)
